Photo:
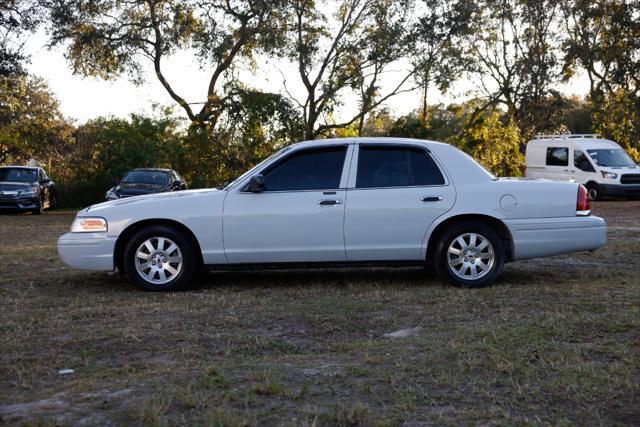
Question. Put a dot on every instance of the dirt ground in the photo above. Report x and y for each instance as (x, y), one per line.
(556, 341)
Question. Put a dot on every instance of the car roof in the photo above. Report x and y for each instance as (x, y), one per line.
(20, 167)
(151, 169)
(365, 139)
(587, 141)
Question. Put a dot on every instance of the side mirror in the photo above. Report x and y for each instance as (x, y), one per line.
(116, 181)
(256, 184)
(176, 183)
(45, 181)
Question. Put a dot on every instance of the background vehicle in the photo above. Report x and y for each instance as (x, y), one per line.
(25, 188)
(340, 202)
(146, 181)
(601, 165)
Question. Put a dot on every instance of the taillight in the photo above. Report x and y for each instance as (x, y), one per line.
(583, 206)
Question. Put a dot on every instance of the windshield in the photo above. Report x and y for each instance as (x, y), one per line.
(146, 177)
(611, 157)
(18, 175)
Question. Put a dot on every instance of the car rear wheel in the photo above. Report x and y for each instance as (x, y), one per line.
(470, 255)
(160, 258)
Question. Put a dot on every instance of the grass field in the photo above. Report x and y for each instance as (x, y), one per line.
(556, 341)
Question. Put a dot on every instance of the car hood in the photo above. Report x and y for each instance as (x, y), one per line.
(14, 186)
(136, 189)
(166, 199)
(620, 169)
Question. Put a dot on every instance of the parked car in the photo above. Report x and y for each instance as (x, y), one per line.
(340, 202)
(601, 165)
(146, 181)
(24, 188)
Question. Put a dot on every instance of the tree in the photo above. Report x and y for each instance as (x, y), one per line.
(17, 18)
(437, 51)
(255, 125)
(108, 147)
(515, 51)
(352, 55)
(602, 39)
(112, 37)
(492, 138)
(31, 124)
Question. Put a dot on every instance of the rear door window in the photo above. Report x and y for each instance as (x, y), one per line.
(557, 156)
(396, 167)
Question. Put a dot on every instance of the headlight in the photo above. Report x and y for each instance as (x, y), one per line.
(609, 175)
(89, 225)
(29, 192)
(111, 195)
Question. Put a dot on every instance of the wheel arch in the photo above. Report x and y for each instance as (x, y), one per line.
(132, 228)
(497, 225)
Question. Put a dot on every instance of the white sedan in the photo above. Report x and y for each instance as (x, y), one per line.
(340, 202)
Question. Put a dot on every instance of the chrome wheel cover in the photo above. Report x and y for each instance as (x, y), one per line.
(470, 256)
(158, 260)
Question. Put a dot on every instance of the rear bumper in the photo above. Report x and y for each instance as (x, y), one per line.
(87, 251)
(541, 237)
(619, 190)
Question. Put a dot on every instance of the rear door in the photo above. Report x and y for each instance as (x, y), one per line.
(395, 193)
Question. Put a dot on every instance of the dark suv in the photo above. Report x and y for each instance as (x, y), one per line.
(25, 188)
(146, 181)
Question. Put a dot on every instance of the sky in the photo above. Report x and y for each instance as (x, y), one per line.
(83, 98)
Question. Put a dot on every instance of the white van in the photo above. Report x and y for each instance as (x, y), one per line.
(601, 165)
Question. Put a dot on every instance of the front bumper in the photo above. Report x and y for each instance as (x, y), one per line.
(619, 190)
(87, 251)
(18, 203)
(542, 237)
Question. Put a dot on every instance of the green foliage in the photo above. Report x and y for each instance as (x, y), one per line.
(618, 118)
(493, 143)
(106, 148)
(31, 124)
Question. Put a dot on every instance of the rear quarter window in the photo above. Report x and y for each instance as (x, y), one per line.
(557, 156)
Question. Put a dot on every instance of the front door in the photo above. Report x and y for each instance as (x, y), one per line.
(298, 217)
(399, 191)
(584, 170)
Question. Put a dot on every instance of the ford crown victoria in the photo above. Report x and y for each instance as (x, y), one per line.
(340, 202)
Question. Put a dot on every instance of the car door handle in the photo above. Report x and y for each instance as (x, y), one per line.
(330, 202)
(431, 199)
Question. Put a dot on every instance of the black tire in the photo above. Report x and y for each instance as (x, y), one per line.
(441, 256)
(39, 207)
(176, 281)
(53, 202)
(593, 191)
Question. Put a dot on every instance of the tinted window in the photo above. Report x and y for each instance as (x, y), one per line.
(557, 156)
(581, 161)
(396, 167)
(314, 169)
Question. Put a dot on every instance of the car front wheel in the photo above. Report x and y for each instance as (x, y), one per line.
(469, 255)
(160, 258)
